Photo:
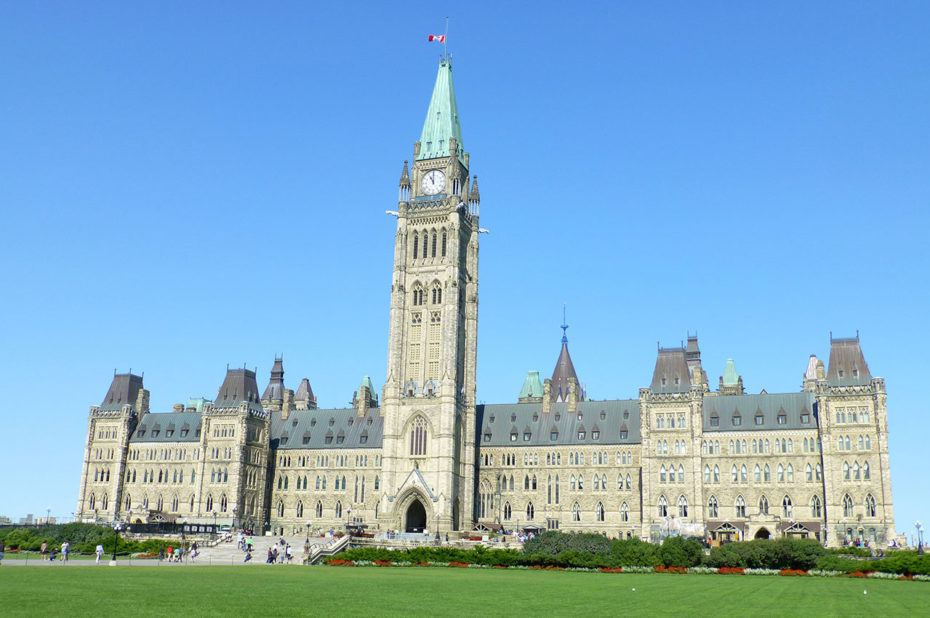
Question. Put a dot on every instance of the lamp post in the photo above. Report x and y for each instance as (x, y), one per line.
(214, 524)
(116, 528)
(348, 518)
(920, 538)
(48, 515)
(234, 517)
(308, 530)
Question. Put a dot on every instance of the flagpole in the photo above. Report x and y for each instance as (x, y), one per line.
(444, 37)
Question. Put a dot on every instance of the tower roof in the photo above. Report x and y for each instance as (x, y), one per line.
(275, 389)
(564, 369)
(847, 365)
(671, 374)
(305, 393)
(730, 376)
(238, 386)
(532, 387)
(442, 118)
(124, 389)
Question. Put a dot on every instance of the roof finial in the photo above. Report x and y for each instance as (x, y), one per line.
(564, 326)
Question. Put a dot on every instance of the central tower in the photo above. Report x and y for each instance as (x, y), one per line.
(428, 461)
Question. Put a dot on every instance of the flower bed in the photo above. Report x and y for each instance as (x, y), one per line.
(383, 563)
(793, 572)
(459, 564)
(338, 562)
(731, 571)
(861, 574)
(611, 570)
(670, 569)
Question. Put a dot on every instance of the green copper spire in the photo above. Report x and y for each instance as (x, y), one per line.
(532, 387)
(442, 119)
(730, 377)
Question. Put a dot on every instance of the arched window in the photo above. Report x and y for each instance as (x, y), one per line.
(706, 473)
(869, 506)
(818, 472)
(530, 511)
(580, 482)
(847, 506)
(763, 505)
(786, 506)
(599, 511)
(846, 470)
(815, 507)
(597, 483)
(223, 503)
(629, 482)
(868, 443)
(757, 474)
(576, 512)
(663, 507)
(433, 253)
(624, 512)
(681, 473)
(526, 482)
(665, 447)
(740, 507)
(418, 437)
(300, 509)
(734, 474)
(319, 509)
(781, 473)
(93, 502)
(533, 484)
(416, 244)
(866, 473)
(856, 473)
(682, 506)
(848, 444)
(743, 474)
(662, 474)
(128, 502)
(338, 509)
(712, 509)
(790, 470)
(716, 474)
(861, 443)
(209, 503)
(280, 508)
(507, 511)
(809, 472)
(443, 243)
(571, 482)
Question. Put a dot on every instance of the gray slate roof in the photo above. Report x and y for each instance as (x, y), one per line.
(847, 365)
(166, 423)
(501, 419)
(124, 389)
(671, 374)
(315, 426)
(748, 406)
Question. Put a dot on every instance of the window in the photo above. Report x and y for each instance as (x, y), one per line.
(815, 507)
(681, 473)
(716, 474)
(707, 474)
(869, 506)
(740, 507)
(846, 470)
(530, 511)
(712, 507)
(787, 508)
(663, 507)
(624, 512)
(715, 421)
(599, 512)
(581, 435)
(554, 435)
(763, 506)
(759, 419)
(743, 474)
(682, 507)
(809, 472)
(595, 435)
(576, 512)
(737, 420)
(790, 470)
(847, 506)
(782, 419)
(734, 474)
(507, 511)
(757, 474)
(662, 474)
(781, 473)
(866, 472)
(526, 436)
(418, 437)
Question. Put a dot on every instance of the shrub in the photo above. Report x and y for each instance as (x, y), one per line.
(634, 552)
(681, 551)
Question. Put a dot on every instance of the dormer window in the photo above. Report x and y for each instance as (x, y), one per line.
(312, 422)
(677, 380)
(715, 421)
(554, 436)
(737, 420)
(487, 437)
(595, 435)
(513, 436)
(155, 433)
(841, 373)
(663, 381)
(855, 373)
(782, 419)
(760, 419)
(623, 434)
(535, 417)
(362, 439)
(581, 435)
(140, 433)
(526, 436)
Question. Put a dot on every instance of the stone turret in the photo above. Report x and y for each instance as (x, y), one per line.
(731, 383)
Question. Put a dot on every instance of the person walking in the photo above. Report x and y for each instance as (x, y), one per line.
(99, 552)
(65, 550)
(170, 552)
(2, 550)
(44, 550)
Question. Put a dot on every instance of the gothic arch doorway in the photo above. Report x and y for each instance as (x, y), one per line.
(415, 520)
(762, 533)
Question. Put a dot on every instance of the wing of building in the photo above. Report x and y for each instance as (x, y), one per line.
(678, 458)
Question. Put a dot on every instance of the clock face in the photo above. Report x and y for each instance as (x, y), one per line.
(433, 182)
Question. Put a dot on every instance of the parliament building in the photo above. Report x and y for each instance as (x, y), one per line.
(680, 457)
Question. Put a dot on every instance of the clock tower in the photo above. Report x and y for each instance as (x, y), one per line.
(428, 457)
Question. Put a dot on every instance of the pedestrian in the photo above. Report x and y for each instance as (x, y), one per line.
(179, 554)
(270, 559)
(170, 552)
(290, 553)
(2, 550)
(99, 552)
(65, 550)
(161, 554)
(44, 550)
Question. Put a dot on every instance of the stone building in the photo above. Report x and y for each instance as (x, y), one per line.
(679, 458)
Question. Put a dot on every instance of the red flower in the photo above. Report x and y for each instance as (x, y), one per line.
(731, 571)
(793, 572)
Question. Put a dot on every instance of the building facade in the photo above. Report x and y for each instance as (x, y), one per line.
(680, 458)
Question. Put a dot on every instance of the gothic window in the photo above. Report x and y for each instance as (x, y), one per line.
(766, 473)
(856, 473)
(846, 470)
(743, 474)
(629, 484)
(433, 253)
(790, 470)
(603, 481)
(663, 507)
(757, 474)
(815, 507)
(740, 507)
(576, 512)
(662, 474)
(530, 511)
(549, 490)
(128, 502)
(599, 511)
(712, 507)
(681, 473)
(209, 503)
(716, 474)
(507, 511)
(319, 509)
(443, 243)
(781, 473)
(847, 506)
(682, 506)
(787, 508)
(624, 512)
(819, 472)
(706, 473)
(869, 506)
(93, 501)
(280, 508)
(416, 244)
(809, 472)
(868, 443)
(418, 437)
(763, 506)
(580, 482)
(734, 474)
(223, 503)
(557, 488)
(437, 294)
(861, 443)
(866, 473)
(597, 482)
(300, 509)
(533, 486)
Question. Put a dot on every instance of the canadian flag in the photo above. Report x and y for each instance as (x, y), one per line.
(439, 38)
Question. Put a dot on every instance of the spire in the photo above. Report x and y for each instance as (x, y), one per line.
(532, 390)
(442, 119)
(405, 177)
(564, 376)
(275, 389)
(564, 326)
(730, 376)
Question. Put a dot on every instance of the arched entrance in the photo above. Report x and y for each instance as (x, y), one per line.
(762, 533)
(416, 517)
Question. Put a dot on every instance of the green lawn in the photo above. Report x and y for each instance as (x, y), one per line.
(291, 590)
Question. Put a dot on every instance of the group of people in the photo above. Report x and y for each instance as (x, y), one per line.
(52, 554)
(176, 554)
(280, 553)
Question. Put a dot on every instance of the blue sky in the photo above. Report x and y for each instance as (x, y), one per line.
(190, 185)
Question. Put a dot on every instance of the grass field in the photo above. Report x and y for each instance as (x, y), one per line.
(282, 590)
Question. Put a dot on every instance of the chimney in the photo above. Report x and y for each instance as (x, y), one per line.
(572, 395)
(287, 404)
(364, 400)
(547, 396)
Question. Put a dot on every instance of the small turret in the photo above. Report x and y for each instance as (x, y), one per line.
(404, 194)
(474, 197)
(731, 383)
(365, 398)
(532, 391)
(305, 399)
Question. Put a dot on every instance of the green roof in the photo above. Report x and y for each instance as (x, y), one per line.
(730, 377)
(442, 118)
(366, 381)
(532, 387)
